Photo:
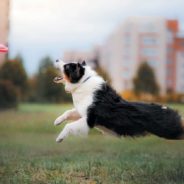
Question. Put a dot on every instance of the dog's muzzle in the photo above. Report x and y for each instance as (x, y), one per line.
(58, 79)
(59, 64)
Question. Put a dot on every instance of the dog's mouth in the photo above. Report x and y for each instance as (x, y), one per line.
(58, 79)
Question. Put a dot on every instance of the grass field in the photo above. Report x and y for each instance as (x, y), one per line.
(29, 154)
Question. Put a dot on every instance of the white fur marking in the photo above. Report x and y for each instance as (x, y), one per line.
(68, 115)
(79, 127)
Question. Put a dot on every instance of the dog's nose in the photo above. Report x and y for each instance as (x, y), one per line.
(57, 60)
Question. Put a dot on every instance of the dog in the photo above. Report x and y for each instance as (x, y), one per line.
(98, 105)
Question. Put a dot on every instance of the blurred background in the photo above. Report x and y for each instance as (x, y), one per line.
(137, 46)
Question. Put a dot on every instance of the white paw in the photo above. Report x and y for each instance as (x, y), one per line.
(56, 122)
(58, 140)
(59, 120)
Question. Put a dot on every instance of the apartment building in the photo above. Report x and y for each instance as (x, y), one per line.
(179, 60)
(142, 39)
(4, 25)
(155, 40)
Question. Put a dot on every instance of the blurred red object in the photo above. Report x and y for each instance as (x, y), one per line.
(3, 48)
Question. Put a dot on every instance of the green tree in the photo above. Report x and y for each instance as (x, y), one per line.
(32, 92)
(48, 91)
(13, 70)
(19, 58)
(8, 95)
(145, 81)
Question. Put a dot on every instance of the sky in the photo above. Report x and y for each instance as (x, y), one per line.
(40, 28)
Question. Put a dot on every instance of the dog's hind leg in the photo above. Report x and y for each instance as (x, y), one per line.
(79, 127)
(68, 115)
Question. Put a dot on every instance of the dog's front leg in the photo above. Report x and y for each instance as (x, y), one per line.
(68, 115)
(79, 127)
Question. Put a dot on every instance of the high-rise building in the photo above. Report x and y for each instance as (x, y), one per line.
(143, 39)
(4, 25)
(179, 60)
(154, 40)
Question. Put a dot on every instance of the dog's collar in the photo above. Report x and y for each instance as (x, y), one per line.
(82, 82)
(86, 79)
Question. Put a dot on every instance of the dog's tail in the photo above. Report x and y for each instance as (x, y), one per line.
(181, 137)
(173, 124)
(177, 124)
(165, 122)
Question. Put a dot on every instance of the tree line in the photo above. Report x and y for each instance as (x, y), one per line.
(16, 86)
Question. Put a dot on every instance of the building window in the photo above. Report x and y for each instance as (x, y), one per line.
(152, 63)
(149, 41)
(149, 52)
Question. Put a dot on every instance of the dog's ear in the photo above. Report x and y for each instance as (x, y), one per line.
(84, 63)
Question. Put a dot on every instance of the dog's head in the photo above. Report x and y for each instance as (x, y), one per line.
(71, 72)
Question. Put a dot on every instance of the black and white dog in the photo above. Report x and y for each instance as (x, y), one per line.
(98, 105)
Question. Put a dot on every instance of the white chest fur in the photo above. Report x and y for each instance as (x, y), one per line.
(83, 96)
(82, 102)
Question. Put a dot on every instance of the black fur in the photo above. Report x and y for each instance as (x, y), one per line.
(132, 118)
(74, 71)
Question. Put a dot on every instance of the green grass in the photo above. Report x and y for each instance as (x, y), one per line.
(29, 154)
